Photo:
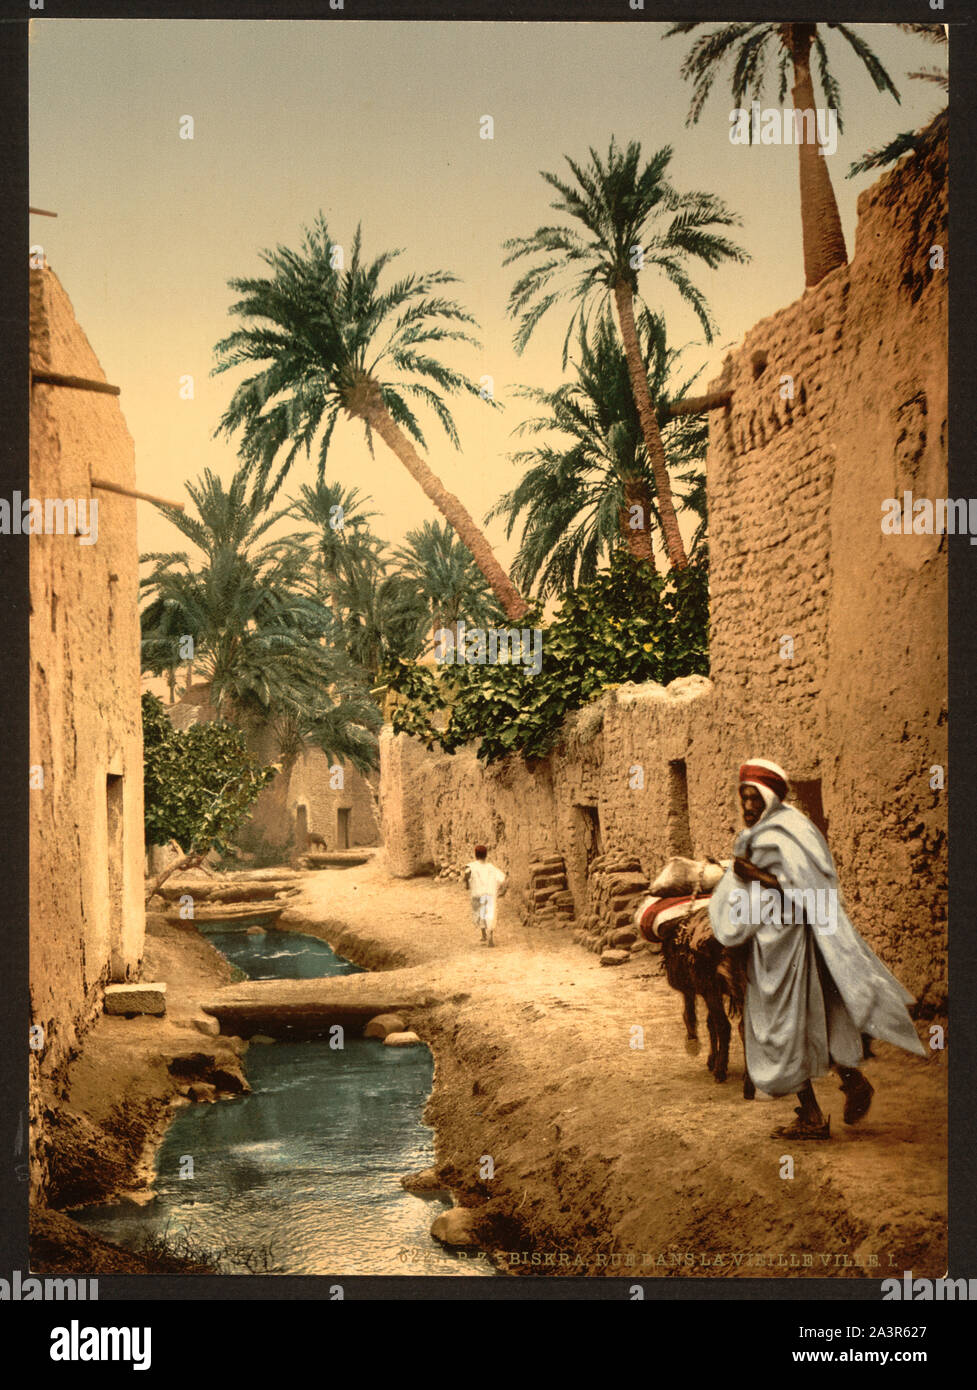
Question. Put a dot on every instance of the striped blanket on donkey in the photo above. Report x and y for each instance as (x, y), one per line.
(677, 916)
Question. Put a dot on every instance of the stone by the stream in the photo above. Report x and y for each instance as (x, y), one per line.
(614, 957)
(205, 1024)
(260, 1038)
(400, 1040)
(456, 1227)
(255, 931)
(425, 1180)
(136, 999)
(383, 1025)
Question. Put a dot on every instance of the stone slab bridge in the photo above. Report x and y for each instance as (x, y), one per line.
(280, 1007)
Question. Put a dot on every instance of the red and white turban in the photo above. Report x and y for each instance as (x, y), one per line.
(769, 779)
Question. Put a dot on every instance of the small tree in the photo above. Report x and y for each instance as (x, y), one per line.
(199, 785)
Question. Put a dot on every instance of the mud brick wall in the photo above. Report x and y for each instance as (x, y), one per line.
(86, 831)
(275, 817)
(839, 401)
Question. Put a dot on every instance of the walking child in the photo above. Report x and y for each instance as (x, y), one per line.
(485, 884)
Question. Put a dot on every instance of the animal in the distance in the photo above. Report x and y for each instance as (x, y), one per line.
(314, 838)
(696, 963)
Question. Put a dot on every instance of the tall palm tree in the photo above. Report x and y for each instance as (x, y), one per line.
(442, 571)
(791, 46)
(634, 219)
(579, 494)
(331, 340)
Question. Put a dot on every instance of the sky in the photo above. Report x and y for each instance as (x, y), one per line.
(379, 124)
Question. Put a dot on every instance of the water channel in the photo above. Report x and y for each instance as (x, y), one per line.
(304, 1171)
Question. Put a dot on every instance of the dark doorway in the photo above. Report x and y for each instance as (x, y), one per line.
(115, 843)
(301, 829)
(342, 828)
(588, 826)
(679, 832)
(806, 796)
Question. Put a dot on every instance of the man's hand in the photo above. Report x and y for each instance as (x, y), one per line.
(746, 870)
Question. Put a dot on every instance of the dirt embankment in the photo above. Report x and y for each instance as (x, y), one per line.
(113, 1106)
(569, 1113)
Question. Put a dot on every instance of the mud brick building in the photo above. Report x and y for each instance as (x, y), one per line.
(311, 798)
(86, 820)
(838, 402)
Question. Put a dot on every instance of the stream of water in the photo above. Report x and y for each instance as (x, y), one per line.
(301, 1175)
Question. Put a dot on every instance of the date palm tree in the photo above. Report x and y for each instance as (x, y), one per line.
(748, 46)
(264, 647)
(633, 219)
(593, 489)
(329, 340)
(917, 142)
(443, 572)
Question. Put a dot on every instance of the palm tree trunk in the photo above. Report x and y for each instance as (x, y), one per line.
(451, 509)
(674, 547)
(823, 239)
(637, 493)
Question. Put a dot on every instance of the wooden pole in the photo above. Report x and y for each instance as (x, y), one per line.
(78, 383)
(697, 405)
(42, 212)
(141, 496)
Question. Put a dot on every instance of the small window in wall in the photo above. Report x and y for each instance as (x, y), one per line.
(806, 796)
(342, 827)
(116, 851)
(588, 827)
(679, 832)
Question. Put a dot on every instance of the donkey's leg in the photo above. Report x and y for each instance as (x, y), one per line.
(691, 1026)
(719, 1026)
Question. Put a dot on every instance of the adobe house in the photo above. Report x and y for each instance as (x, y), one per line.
(86, 801)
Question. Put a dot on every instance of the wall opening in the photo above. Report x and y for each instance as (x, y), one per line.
(115, 826)
(342, 828)
(679, 831)
(587, 825)
(301, 829)
(806, 796)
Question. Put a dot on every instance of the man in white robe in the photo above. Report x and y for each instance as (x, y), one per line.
(814, 987)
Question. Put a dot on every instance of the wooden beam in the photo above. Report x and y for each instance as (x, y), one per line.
(698, 405)
(77, 383)
(140, 496)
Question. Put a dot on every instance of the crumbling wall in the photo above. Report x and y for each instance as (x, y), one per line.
(828, 638)
(86, 827)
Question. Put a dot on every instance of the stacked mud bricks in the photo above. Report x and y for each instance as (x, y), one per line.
(548, 899)
(616, 884)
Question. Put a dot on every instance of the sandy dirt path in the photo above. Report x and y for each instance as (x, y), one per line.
(614, 1157)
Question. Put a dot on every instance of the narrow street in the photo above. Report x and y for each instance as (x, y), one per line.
(602, 1148)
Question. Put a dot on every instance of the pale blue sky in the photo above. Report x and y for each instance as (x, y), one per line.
(379, 123)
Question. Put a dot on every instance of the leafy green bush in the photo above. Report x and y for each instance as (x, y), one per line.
(629, 624)
(199, 783)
